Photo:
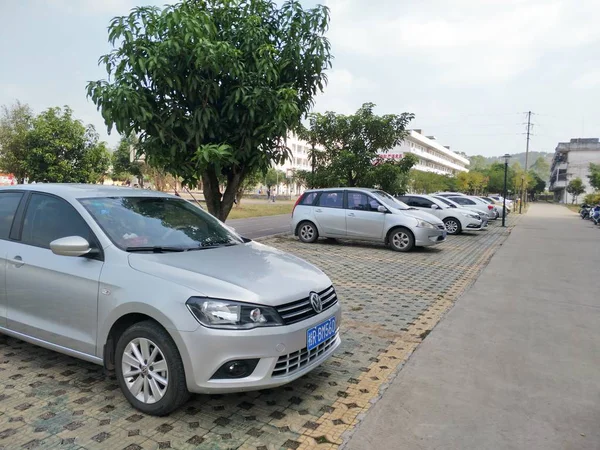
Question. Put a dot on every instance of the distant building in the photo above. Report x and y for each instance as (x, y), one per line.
(433, 156)
(572, 160)
(299, 160)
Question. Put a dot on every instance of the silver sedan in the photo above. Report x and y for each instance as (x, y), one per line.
(161, 292)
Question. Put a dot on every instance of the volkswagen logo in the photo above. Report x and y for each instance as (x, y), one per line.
(315, 302)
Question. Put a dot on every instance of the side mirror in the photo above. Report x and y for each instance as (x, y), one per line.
(70, 246)
(382, 209)
(434, 206)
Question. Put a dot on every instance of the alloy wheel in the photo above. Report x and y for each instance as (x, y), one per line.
(451, 226)
(401, 240)
(307, 232)
(145, 370)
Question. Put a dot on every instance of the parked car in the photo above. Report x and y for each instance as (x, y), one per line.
(157, 289)
(497, 205)
(364, 214)
(449, 194)
(499, 198)
(476, 203)
(456, 219)
(453, 204)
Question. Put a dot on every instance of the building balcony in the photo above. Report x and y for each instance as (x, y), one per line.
(560, 184)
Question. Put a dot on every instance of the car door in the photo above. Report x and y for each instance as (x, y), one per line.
(9, 202)
(424, 204)
(50, 297)
(330, 214)
(363, 220)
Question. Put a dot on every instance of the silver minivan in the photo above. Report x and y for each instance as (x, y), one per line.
(158, 290)
(364, 214)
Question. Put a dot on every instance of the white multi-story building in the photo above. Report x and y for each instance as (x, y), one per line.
(433, 157)
(572, 160)
(299, 160)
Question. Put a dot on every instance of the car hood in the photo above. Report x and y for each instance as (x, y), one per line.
(249, 272)
(466, 211)
(421, 215)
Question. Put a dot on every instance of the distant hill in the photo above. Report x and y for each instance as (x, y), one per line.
(520, 158)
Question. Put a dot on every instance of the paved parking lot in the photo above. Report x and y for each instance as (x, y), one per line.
(390, 300)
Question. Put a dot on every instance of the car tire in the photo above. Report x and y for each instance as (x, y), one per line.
(143, 389)
(453, 226)
(307, 232)
(401, 239)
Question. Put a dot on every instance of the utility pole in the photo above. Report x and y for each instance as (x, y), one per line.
(526, 161)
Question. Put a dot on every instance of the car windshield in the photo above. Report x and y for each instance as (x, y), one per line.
(390, 201)
(158, 224)
(450, 203)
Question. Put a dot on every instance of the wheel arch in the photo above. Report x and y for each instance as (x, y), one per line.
(126, 316)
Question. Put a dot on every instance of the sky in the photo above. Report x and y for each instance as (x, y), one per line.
(468, 69)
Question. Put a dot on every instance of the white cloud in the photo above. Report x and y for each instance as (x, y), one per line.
(467, 41)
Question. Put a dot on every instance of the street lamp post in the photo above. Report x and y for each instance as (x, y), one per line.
(506, 158)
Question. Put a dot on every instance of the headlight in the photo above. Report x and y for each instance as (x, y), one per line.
(423, 224)
(230, 314)
(472, 216)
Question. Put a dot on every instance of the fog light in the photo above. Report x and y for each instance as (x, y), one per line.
(239, 368)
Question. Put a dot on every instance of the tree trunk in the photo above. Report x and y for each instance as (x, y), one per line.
(219, 205)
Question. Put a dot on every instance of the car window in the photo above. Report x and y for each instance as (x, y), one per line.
(309, 198)
(362, 202)
(152, 222)
(9, 202)
(463, 201)
(388, 200)
(331, 199)
(422, 202)
(49, 218)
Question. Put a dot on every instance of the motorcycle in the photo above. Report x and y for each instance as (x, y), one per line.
(584, 212)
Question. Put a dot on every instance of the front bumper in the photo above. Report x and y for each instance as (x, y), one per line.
(473, 224)
(205, 350)
(428, 236)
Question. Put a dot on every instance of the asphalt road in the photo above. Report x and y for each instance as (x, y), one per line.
(255, 227)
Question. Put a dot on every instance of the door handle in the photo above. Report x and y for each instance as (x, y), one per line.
(17, 261)
(350, 214)
(318, 210)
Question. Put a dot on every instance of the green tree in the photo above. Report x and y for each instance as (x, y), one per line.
(575, 188)
(537, 184)
(351, 143)
(392, 176)
(274, 177)
(478, 162)
(60, 149)
(213, 86)
(16, 122)
(594, 176)
(541, 167)
(122, 165)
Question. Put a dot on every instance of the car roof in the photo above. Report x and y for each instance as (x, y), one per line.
(77, 191)
(343, 189)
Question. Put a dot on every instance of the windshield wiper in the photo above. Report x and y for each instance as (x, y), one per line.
(214, 245)
(156, 249)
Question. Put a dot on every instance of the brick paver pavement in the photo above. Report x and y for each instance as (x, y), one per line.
(390, 300)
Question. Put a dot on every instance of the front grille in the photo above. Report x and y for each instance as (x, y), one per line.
(441, 227)
(302, 309)
(292, 362)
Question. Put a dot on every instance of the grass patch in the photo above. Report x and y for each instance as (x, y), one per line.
(574, 208)
(246, 210)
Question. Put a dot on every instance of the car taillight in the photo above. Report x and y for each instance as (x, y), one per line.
(296, 204)
(490, 207)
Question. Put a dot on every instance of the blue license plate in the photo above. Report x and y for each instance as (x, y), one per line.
(319, 334)
(444, 234)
